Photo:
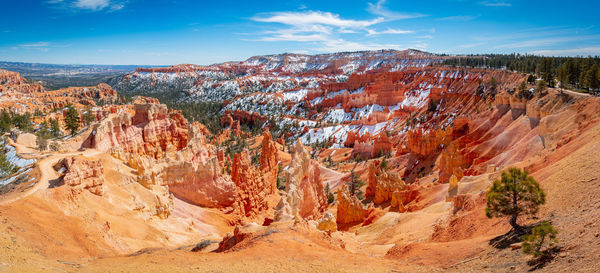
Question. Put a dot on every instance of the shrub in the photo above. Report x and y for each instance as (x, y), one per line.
(541, 240)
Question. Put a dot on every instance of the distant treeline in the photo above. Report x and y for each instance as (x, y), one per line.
(571, 72)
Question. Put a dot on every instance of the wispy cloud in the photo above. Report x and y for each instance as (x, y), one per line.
(37, 44)
(324, 31)
(495, 4)
(389, 15)
(312, 18)
(585, 51)
(372, 32)
(546, 41)
(88, 5)
(459, 18)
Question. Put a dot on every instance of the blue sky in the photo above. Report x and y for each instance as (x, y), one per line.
(204, 32)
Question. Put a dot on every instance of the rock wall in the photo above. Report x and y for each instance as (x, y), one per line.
(203, 185)
(151, 131)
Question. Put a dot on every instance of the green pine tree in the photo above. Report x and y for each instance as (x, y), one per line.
(88, 117)
(591, 77)
(515, 194)
(354, 186)
(72, 119)
(55, 128)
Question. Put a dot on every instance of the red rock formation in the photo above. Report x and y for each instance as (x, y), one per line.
(349, 209)
(426, 142)
(251, 190)
(226, 120)
(81, 173)
(402, 199)
(256, 188)
(22, 97)
(203, 185)
(10, 78)
(269, 161)
(151, 131)
(452, 162)
(305, 196)
(245, 117)
(383, 184)
(382, 145)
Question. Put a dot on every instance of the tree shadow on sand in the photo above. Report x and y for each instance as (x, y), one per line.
(513, 236)
(546, 258)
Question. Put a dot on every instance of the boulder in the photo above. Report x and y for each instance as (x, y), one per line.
(327, 223)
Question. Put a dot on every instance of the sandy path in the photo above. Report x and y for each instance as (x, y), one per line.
(46, 169)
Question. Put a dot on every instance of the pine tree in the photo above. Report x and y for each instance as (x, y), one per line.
(6, 167)
(540, 87)
(522, 87)
(5, 121)
(72, 119)
(515, 194)
(354, 186)
(531, 79)
(55, 128)
(329, 194)
(383, 165)
(563, 75)
(591, 77)
(493, 84)
(88, 117)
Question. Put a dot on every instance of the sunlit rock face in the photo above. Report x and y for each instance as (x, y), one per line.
(152, 131)
(82, 174)
(304, 196)
(350, 209)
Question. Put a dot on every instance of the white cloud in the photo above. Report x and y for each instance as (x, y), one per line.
(459, 18)
(425, 37)
(92, 4)
(300, 52)
(293, 37)
(379, 9)
(314, 18)
(37, 44)
(372, 32)
(88, 5)
(324, 31)
(495, 4)
(593, 51)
